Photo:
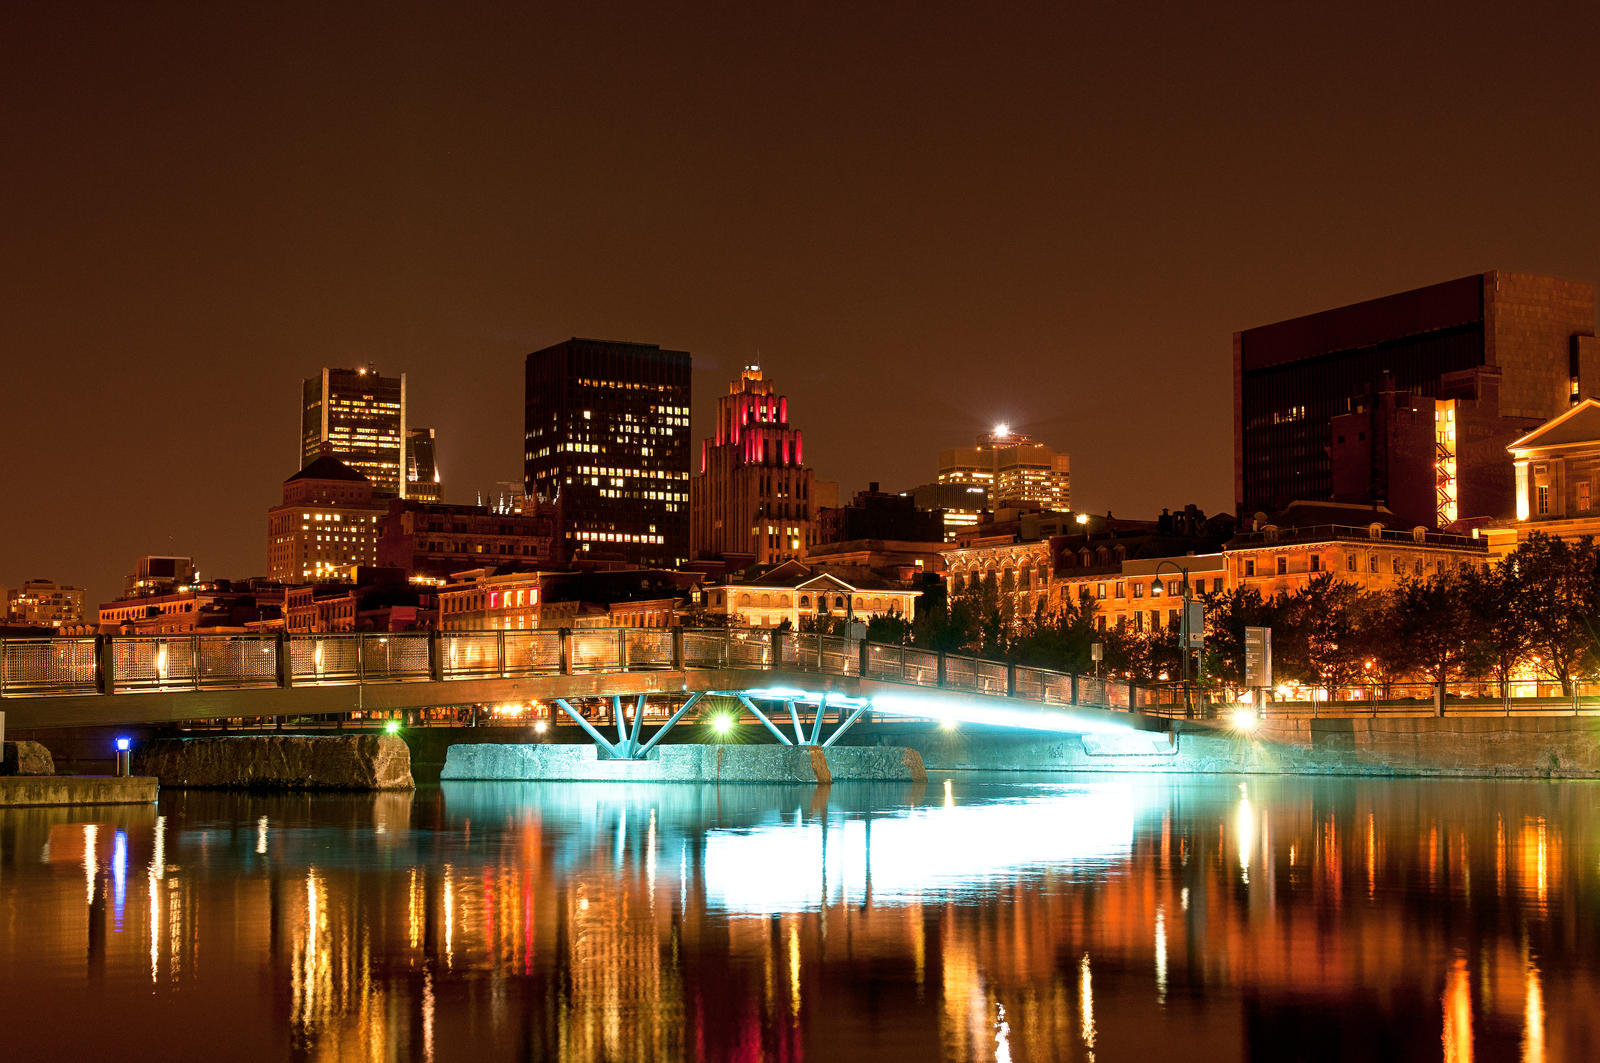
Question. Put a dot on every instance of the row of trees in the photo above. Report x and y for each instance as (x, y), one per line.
(1538, 609)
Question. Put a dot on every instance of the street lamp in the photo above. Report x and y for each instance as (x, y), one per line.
(1184, 634)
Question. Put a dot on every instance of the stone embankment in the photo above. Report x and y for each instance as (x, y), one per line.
(278, 762)
(684, 763)
(1451, 746)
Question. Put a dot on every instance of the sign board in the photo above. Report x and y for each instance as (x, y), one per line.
(1194, 624)
(1097, 651)
(1258, 656)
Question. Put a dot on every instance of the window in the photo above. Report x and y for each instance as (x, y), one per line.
(1249, 566)
(1120, 589)
(1100, 622)
(1399, 567)
(1138, 590)
(1283, 564)
(1100, 591)
(1174, 586)
(1350, 562)
(1316, 562)
(1542, 500)
(1138, 621)
(1372, 563)
(1583, 495)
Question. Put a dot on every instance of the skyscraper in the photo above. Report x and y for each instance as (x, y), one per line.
(363, 416)
(422, 466)
(1484, 358)
(607, 439)
(754, 495)
(1011, 467)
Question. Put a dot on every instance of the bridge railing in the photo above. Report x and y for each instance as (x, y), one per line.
(128, 664)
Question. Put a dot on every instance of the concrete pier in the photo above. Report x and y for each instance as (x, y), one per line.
(19, 791)
(685, 763)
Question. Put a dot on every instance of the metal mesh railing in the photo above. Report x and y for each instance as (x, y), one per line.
(533, 652)
(321, 659)
(648, 647)
(971, 673)
(398, 656)
(597, 651)
(32, 666)
(47, 666)
(468, 654)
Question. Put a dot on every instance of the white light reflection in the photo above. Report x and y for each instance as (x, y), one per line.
(1244, 824)
(1161, 955)
(1002, 1035)
(91, 863)
(1086, 1005)
(119, 877)
(261, 836)
(158, 858)
(949, 795)
(915, 851)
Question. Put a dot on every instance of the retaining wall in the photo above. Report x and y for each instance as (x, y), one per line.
(683, 763)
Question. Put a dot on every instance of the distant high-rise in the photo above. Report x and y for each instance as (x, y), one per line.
(422, 466)
(363, 415)
(1409, 400)
(607, 439)
(42, 603)
(1011, 467)
(754, 494)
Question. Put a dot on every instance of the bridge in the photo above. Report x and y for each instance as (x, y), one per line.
(790, 682)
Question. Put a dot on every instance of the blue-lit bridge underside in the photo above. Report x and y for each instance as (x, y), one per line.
(778, 678)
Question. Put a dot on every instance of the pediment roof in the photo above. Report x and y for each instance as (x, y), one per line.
(1577, 426)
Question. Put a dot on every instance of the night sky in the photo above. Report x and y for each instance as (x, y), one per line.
(925, 220)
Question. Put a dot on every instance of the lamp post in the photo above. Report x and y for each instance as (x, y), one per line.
(1183, 634)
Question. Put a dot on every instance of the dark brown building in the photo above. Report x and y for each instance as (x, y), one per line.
(1484, 357)
(434, 540)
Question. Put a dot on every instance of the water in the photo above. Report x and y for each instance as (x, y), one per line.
(976, 917)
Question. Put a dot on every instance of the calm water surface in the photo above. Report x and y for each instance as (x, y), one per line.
(974, 917)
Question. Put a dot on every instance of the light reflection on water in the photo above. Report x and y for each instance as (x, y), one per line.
(976, 917)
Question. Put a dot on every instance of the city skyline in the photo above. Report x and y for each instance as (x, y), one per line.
(1063, 237)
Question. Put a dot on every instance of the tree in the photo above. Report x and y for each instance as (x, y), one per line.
(1059, 640)
(1428, 625)
(891, 630)
(1557, 586)
(1325, 626)
(1496, 608)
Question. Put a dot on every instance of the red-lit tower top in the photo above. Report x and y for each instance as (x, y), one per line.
(753, 419)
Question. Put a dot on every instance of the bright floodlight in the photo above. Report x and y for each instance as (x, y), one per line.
(1002, 430)
(541, 727)
(722, 724)
(123, 744)
(1083, 518)
(1243, 719)
(393, 727)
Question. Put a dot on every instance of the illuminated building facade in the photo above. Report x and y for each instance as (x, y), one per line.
(423, 482)
(327, 524)
(1012, 468)
(156, 574)
(220, 606)
(754, 496)
(435, 540)
(362, 415)
(43, 603)
(961, 507)
(482, 600)
(1557, 475)
(607, 440)
(800, 593)
(1276, 559)
(1478, 360)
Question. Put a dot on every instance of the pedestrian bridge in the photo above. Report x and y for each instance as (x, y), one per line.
(629, 678)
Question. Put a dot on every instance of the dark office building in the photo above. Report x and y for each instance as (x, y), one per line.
(875, 514)
(607, 440)
(362, 415)
(1521, 343)
(423, 482)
